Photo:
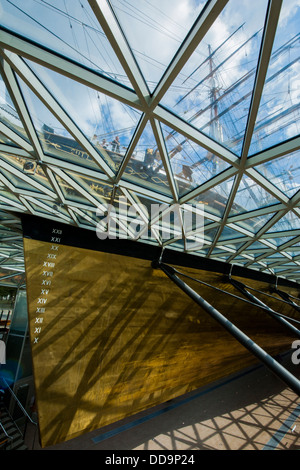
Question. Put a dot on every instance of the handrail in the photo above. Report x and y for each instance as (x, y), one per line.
(19, 403)
(3, 429)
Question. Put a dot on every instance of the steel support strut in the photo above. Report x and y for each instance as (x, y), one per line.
(271, 312)
(289, 379)
(286, 297)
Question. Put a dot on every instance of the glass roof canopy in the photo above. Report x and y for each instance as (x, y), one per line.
(208, 92)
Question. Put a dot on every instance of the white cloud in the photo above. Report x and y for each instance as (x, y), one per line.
(288, 10)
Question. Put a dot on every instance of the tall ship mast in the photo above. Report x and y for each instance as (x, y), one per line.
(188, 169)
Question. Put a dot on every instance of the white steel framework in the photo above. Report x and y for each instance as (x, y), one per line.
(238, 158)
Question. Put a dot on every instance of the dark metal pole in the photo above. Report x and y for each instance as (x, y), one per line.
(288, 378)
(273, 314)
(286, 297)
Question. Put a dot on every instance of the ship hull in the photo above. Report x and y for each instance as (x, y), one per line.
(112, 336)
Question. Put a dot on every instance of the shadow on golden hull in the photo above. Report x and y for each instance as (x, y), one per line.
(112, 336)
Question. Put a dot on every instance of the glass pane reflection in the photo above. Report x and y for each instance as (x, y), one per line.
(191, 164)
(107, 123)
(213, 91)
(288, 222)
(9, 115)
(283, 172)
(69, 28)
(150, 24)
(278, 115)
(145, 167)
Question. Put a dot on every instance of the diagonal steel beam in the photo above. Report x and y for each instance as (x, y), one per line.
(164, 157)
(16, 138)
(17, 98)
(272, 153)
(269, 33)
(238, 334)
(209, 14)
(111, 27)
(49, 101)
(133, 143)
(65, 66)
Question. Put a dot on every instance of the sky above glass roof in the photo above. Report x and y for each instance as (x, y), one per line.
(204, 97)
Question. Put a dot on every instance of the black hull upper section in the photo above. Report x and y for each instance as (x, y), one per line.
(39, 229)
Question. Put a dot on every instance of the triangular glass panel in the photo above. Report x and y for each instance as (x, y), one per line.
(257, 246)
(209, 235)
(178, 244)
(99, 190)
(290, 221)
(50, 208)
(191, 164)
(258, 266)
(148, 25)
(86, 220)
(283, 172)
(232, 246)
(126, 210)
(149, 205)
(39, 209)
(254, 224)
(8, 195)
(278, 115)
(30, 168)
(122, 219)
(213, 91)
(287, 264)
(70, 30)
(6, 141)
(8, 113)
(251, 196)
(230, 234)
(162, 215)
(257, 249)
(277, 241)
(276, 256)
(293, 250)
(55, 139)
(107, 123)
(165, 223)
(220, 252)
(145, 167)
(220, 255)
(70, 193)
(215, 199)
(18, 183)
(202, 252)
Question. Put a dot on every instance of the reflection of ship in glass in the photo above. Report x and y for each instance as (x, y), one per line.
(190, 164)
(225, 108)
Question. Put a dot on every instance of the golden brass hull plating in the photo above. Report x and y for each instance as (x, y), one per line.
(117, 337)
